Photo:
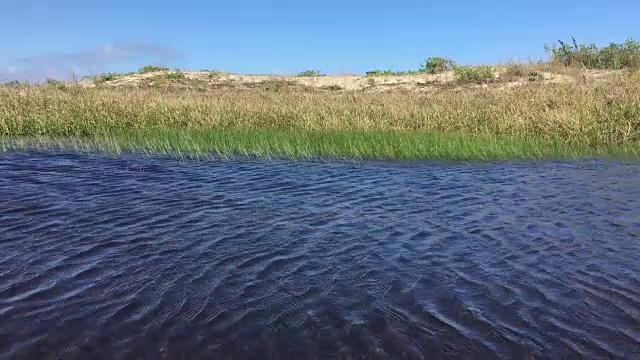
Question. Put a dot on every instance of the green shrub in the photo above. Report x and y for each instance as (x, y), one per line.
(176, 74)
(436, 64)
(516, 70)
(613, 56)
(56, 83)
(474, 74)
(534, 76)
(151, 68)
(12, 83)
(310, 73)
(98, 79)
(378, 72)
(109, 76)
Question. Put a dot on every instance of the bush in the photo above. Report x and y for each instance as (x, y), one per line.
(474, 74)
(12, 83)
(378, 72)
(614, 56)
(516, 70)
(105, 77)
(436, 64)
(310, 73)
(534, 76)
(151, 68)
(176, 74)
(332, 87)
(56, 83)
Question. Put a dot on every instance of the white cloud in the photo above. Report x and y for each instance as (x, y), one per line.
(62, 65)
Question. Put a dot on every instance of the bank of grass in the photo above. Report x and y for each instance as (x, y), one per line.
(300, 143)
(536, 120)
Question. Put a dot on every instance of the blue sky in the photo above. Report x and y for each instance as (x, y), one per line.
(56, 37)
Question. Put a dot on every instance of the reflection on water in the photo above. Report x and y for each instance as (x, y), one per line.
(137, 257)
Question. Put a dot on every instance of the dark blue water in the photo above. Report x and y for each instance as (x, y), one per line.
(137, 257)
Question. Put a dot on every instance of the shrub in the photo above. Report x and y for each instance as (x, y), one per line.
(436, 64)
(378, 72)
(621, 56)
(516, 70)
(151, 68)
(176, 74)
(98, 79)
(534, 76)
(12, 83)
(310, 73)
(613, 56)
(56, 83)
(474, 74)
(332, 87)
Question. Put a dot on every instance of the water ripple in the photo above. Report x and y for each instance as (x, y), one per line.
(158, 258)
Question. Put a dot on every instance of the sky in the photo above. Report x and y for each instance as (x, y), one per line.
(57, 38)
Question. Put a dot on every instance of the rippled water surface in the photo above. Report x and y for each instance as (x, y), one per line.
(137, 257)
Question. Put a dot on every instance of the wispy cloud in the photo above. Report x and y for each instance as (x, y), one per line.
(64, 65)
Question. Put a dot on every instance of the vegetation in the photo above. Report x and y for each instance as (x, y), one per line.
(310, 73)
(56, 83)
(176, 74)
(99, 79)
(151, 68)
(378, 72)
(12, 83)
(614, 56)
(284, 118)
(474, 74)
(436, 64)
(537, 120)
(516, 71)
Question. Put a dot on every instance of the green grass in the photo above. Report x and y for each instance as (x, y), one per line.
(300, 143)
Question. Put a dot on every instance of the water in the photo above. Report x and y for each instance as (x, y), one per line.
(136, 257)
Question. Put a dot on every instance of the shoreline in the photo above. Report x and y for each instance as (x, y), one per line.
(537, 120)
(325, 145)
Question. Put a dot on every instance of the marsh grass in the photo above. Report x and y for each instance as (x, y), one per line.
(536, 120)
(300, 143)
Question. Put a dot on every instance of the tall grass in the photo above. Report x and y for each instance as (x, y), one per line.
(534, 120)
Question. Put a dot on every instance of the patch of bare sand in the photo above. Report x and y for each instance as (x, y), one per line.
(417, 82)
